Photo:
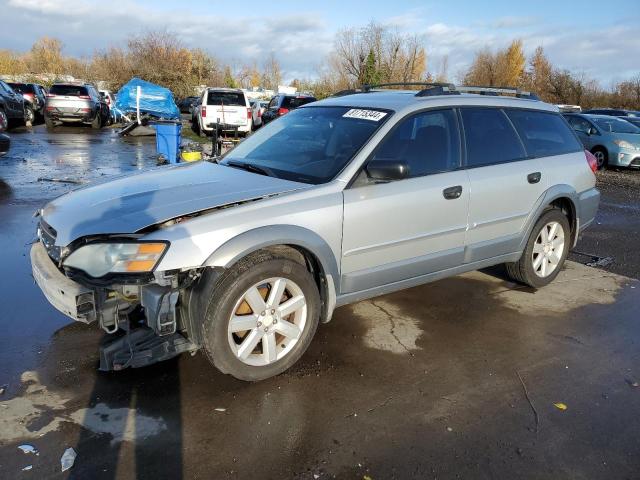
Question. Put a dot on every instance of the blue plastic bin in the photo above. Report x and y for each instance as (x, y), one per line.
(168, 138)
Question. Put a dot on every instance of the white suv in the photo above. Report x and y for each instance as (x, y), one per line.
(227, 107)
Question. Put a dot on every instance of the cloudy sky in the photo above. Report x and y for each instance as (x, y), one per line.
(597, 38)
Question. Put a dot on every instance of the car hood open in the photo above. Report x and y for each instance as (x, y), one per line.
(133, 202)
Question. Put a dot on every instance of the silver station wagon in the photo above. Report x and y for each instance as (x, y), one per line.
(361, 194)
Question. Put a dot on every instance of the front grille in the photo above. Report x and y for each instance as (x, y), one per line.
(47, 235)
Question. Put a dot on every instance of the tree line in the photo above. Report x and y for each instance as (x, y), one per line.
(372, 54)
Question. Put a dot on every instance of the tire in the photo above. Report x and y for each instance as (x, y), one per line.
(536, 271)
(4, 121)
(49, 123)
(601, 156)
(29, 116)
(96, 123)
(226, 299)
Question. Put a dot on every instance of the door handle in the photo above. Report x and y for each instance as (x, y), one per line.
(452, 193)
(534, 177)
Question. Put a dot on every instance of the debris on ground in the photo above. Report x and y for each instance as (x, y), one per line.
(526, 394)
(68, 458)
(449, 429)
(60, 180)
(26, 448)
(3, 389)
(600, 262)
(632, 383)
(27, 468)
(220, 409)
(560, 406)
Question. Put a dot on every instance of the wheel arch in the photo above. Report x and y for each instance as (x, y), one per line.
(289, 240)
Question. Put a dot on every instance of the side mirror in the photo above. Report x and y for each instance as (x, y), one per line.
(591, 131)
(387, 170)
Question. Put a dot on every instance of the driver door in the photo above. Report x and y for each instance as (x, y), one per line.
(402, 229)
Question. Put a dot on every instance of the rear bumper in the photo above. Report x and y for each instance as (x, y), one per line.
(67, 296)
(589, 200)
(209, 127)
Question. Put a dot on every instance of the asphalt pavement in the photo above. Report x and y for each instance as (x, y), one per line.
(468, 377)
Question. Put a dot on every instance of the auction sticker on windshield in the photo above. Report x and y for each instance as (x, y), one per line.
(372, 115)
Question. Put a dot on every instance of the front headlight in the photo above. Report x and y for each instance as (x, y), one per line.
(98, 259)
(625, 144)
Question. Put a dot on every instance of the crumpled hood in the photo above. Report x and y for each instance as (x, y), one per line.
(130, 203)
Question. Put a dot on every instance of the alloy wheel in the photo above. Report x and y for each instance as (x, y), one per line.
(548, 249)
(599, 154)
(267, 321)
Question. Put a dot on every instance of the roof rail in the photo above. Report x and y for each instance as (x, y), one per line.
(369, 87)
(488, 90)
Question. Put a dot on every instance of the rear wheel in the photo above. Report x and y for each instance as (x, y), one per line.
(601, 156)
(4, 121)
(29, 116)
(545, 252)
(97, 121)
(261, 317)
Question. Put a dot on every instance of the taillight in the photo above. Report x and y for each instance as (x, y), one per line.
(260, 113)
(203, 109)
(248, 114)
(108, 101)
(283, 111)
(591, 160)
(28, 95)
(51, 95)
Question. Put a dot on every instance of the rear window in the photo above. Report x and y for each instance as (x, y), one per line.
(68, 90)
(489, 137)
(295, 102)
(230, 99)
(22, 87)
(544, 134)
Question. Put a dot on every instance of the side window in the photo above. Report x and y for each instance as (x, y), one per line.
(580, 124)
(428, 142)
(490, 137)
(273, 103)
(543, 134)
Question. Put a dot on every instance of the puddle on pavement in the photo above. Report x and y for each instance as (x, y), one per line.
(39, 411)
(387, 328)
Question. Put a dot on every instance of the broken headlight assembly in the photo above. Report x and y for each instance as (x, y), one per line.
(99, 259)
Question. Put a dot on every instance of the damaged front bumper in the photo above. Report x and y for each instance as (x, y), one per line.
(144, 315)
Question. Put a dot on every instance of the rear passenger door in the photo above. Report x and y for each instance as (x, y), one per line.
(406, 228)
(505, 183)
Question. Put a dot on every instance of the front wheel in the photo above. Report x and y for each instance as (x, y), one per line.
(261, 317)
(601, 157)
(545, 252)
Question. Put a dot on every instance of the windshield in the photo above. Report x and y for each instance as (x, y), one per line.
(232, 99)
(615, 125)
(309, 145)
(68, 90)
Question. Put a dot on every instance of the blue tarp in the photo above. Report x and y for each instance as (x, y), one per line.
(154, 99)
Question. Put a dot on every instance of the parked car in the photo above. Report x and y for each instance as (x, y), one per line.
(108, 98)
(282, 104)
(33, 93)
(14, 109)
(75, 103)
(5, 143)
(340, 200)
(258, 108)
(613, 112)
(186, 103)
(569, 108)
(228, 107)
(613, 141)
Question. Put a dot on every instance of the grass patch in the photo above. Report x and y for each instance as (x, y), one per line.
(189, 134)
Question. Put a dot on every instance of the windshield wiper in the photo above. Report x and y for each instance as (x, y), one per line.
(249, 167)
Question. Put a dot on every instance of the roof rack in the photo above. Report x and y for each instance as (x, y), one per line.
(439, 88)
(496, 91)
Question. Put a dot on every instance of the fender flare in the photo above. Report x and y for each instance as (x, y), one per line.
(252, 240)
(553, 193)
